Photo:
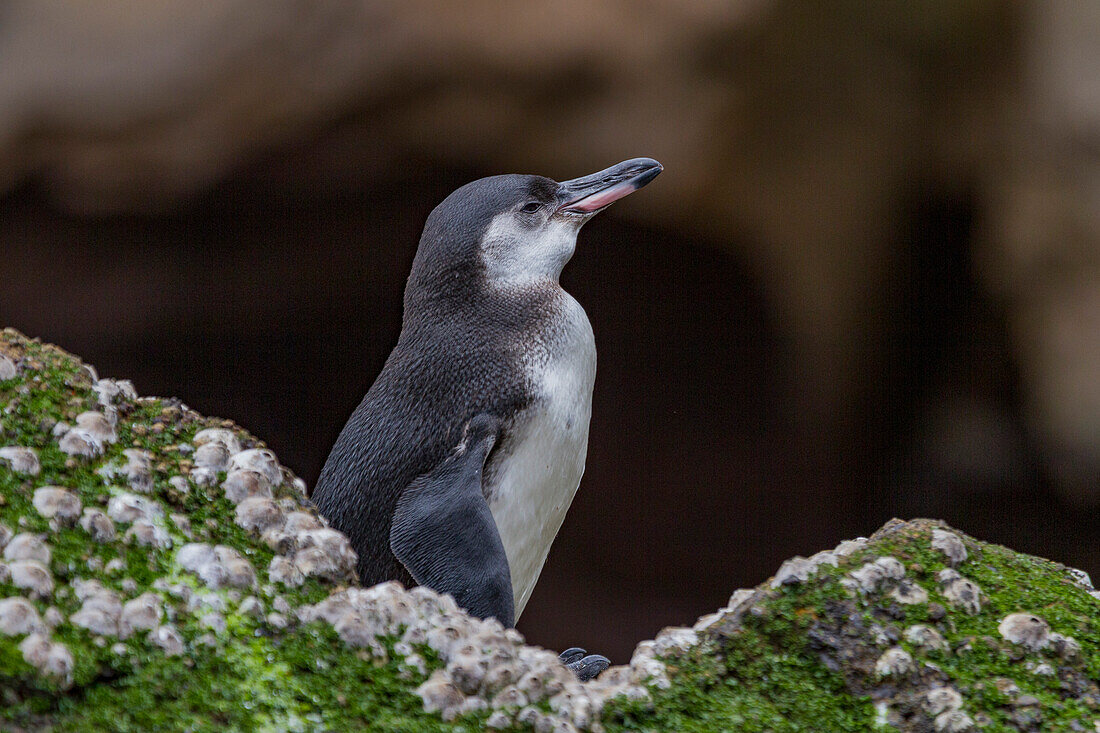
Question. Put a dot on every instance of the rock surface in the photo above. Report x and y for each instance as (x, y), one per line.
(919, 628)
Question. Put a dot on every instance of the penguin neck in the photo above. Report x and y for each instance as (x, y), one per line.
(512, 305)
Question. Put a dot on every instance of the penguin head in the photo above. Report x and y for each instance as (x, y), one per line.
(516, 229)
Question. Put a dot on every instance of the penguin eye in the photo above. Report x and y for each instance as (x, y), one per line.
(531, 207)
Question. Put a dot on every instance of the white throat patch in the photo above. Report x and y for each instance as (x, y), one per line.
(514, 253)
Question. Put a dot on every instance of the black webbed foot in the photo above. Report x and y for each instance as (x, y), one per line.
(585, 666)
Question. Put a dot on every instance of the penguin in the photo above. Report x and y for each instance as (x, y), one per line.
(457, 468)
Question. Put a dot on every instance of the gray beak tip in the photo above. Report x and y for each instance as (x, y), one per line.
(596, 192)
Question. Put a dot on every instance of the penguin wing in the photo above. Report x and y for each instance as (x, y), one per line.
(445, 536)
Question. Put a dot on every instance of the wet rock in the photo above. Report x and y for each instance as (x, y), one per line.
(93, 430)
(251, 606)
(27, 546)
(1006, 686)
(33, 577)
(260, 460)
(7, 368)
(707, 620)
(51, 659)
(942, 699)
(871, 576)
(140, 614)
(183, 524)
(111, 391)
(203, 476)
(282, 570)
(79, 443)
(847, 547)
(953, 721)
(213, 621)
(18, 617)
(895, 662)
(194, 555)
(221, 436)
(147, 534)
(100, 611)
(1042, 669)
(57, 502)
(20, 460)
(284, 539)
(298, 522)
(499, 720)
(139, 469)
(960, 592)
(325, 553)
(950, 545)
(926, 638)
(213, 456)
(441, 695)
(168, 638)
(909, 593)
(206, 601)
(241, 484)
(97, 524)
(674, 641)
(217, 567)
(217, 605)
(258, 514)
(53, 617)
(1066, 647)
(1025, 629)
(127, 508)
(35, 649)
(180, 484)
(793, 571)
(645, 668)
(97, 425)
(1080, 577)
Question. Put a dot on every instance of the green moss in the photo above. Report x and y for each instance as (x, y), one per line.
(763, 677)
(756, 688)
(309, 681)
(768, 676)
(1011, 582)
(772, 671)
(300, 679)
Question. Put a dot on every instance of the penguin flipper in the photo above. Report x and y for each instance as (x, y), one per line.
(444, 533)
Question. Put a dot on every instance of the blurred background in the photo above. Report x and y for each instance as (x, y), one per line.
(867, 284)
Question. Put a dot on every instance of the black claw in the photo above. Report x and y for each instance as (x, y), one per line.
(589, 667)
(571, 655)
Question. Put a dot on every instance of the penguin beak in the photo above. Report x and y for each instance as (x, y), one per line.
(596, 192)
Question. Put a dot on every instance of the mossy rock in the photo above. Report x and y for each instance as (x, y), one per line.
(161, 571)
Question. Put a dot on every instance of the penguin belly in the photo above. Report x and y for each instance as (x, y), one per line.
(532, 485)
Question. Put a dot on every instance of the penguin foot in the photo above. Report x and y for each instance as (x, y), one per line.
(585, 666)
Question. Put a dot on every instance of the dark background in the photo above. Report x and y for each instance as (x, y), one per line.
(865, 286)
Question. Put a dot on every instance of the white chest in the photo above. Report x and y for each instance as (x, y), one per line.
(537, 479)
